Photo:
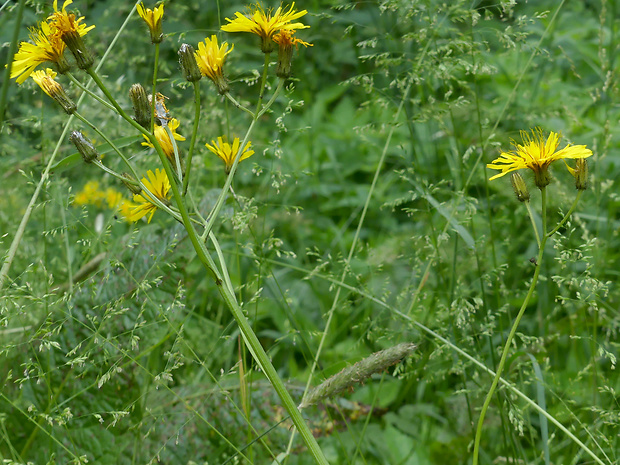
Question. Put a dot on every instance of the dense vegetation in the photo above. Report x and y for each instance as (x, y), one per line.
(364, 219)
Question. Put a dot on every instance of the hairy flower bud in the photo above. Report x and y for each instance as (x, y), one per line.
(188, 63)
(75, 43)
(84, 146)
(141, 107)
(518, 185)
(581, 174)
(45, 80)
(131, 183)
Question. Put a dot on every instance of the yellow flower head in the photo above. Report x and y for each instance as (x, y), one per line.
(46, 81)
(537, 154)
(158, 187)
(228, 152)
(92, 194)
(153, 19)
(265, 23)
(66, 23)
(48, 46)
(210, 58)
(286, 38)
(164, 139)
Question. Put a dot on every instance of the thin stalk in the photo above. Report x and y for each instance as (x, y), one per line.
(238, 105)
(12, 48)
(89, 92)
(190, 154)
(154, 88)
(513, 330)
(531, 215)
(177, 157)
(565, 219)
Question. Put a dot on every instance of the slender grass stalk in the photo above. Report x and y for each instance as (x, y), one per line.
(12, 48)
(154, 86)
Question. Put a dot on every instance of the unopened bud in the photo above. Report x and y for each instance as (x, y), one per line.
(518, 185)
(131, 183)
(84, 146)
(188, 63)
(51, 87)
(141, 107)
(75, 43)
(581, 174)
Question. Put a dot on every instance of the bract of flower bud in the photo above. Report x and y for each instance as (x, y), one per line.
(188, 63)
(84, 146)
(286, 40)
(45, 80)
(141, 107)
(83, 58)
(131, 183)
(519, 187)
(581, 174)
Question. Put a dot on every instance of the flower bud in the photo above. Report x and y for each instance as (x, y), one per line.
(131, 183)
(286, 40)
(581, 174)
(518, 185)
(45, 80)
(188, 63)
(84, 146)
(141, 107)
(75, 43)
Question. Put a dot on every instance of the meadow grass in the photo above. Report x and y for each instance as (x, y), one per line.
(363, 226)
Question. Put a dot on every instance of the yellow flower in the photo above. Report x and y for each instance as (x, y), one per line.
(265, 24)
(48, 46)
(92, 194)
(286, 40)
(46, 81)
(210, 58)
(164, 139)
(158, 186)
(537, 154)
(153, 19)
(228, 152)
(71, 32)
(65, 22)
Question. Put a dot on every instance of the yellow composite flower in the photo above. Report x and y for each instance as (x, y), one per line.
(265, 23)
(211, 56)
(66, 23)
(47, 46)
(164, 139)
(228, 152)
(46, 81)
(153, 19)
(158, 186)
(93, 194)
(286, 38)
(537, 154)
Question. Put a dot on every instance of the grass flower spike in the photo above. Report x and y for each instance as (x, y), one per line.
(158, 186)
(228, 152)
(265, 23)
(537, 154)
(210, 58)
(153, 19)
(47, 46)
(164, 138)
(71, 32)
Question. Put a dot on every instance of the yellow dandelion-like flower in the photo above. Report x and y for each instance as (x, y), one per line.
(158, 186)
(71, 32)
(265, 23)
(286, 38)
(66, 22)
(46, 81)
(89, 195)
(47, 46)
(153, 19)
(228, 152)
(537, 154)
(210, 58)
(164, 139)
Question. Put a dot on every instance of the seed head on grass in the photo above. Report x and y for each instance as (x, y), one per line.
(357, 373)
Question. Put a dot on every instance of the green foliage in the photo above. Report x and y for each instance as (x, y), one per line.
(366, 205)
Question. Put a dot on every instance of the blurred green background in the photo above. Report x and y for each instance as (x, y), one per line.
(382, 134)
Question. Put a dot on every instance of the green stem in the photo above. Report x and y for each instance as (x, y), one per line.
(12, 49)
(531, 215)
(89, 92)
(190, 154)
(175, 148)
(565, 219)
(513, 330)
(154, 88)
(238, 105)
